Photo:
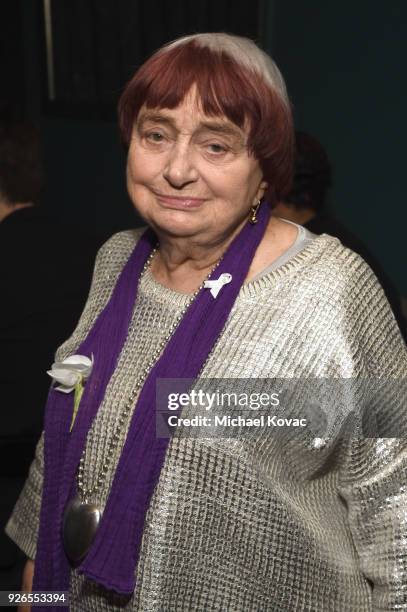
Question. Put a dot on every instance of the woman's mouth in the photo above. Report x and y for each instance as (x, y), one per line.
(179, 202)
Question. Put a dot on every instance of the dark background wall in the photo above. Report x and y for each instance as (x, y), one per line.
(343, 65)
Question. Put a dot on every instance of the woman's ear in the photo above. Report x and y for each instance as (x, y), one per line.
(262, 190)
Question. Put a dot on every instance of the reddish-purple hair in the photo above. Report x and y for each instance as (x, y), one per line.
(242, 91)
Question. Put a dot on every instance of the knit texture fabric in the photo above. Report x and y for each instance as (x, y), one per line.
(239, 526)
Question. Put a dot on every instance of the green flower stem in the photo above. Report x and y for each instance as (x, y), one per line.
(77, 398)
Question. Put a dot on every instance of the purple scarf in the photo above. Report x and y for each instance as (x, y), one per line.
(114, 553)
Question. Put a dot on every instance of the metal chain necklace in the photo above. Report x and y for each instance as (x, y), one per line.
(81, 516)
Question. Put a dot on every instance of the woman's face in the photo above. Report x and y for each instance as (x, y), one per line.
(190, 175)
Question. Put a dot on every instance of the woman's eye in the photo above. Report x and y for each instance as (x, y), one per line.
(155, 137)
(215, 147)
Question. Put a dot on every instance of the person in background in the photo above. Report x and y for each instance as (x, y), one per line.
(45, 275)
(306, 205)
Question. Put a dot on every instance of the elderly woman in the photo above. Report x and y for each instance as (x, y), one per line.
(217, 288)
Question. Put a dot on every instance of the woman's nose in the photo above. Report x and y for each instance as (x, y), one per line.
(180, 169)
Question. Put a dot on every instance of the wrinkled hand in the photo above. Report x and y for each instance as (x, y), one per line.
(27, 583)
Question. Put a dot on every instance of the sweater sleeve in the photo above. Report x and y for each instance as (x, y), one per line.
(376, 496)
(373, 481)
(23, 524)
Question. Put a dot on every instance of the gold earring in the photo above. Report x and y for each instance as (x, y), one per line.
(253, 212)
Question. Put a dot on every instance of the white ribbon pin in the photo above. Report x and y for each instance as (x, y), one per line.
(216, 285)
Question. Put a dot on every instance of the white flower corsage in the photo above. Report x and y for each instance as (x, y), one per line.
(71, 374)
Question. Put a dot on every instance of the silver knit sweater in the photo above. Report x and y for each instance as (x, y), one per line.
(236, 526)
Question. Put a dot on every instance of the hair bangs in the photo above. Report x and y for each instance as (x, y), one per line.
(166, 78)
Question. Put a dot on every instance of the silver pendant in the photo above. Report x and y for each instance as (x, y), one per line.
(80, 523)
